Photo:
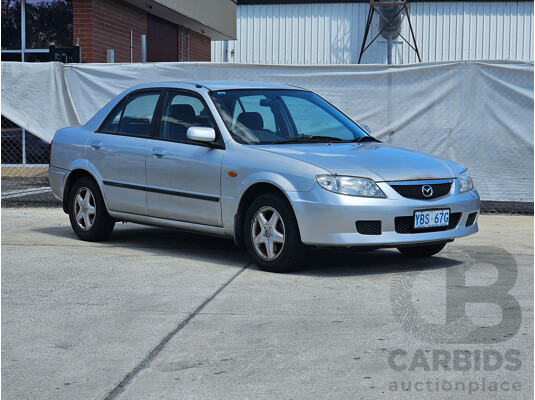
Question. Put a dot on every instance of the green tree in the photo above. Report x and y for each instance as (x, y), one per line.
(48, 22)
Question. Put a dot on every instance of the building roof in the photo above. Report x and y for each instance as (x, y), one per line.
(215, 19)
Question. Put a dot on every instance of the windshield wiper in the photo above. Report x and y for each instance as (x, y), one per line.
(366, 139)
(309, 139)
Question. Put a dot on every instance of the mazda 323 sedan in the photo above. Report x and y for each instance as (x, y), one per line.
(274, 167)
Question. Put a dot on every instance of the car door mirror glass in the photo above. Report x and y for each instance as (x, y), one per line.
(201, 134)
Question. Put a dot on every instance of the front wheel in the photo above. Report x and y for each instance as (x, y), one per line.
(422, 251)
(87, 212)
(272, 234)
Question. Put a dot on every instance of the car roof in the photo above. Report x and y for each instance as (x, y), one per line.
(218, 85)
(223, 85)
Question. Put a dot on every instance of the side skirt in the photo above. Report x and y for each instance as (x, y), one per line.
(168, 223)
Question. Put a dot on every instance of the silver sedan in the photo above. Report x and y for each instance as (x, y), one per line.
(274, 167)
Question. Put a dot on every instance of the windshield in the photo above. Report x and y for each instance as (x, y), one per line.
(268, 116)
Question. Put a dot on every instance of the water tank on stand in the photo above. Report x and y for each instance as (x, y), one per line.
(390, 17)
(391, 14)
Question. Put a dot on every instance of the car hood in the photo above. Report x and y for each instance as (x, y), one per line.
(378, 161)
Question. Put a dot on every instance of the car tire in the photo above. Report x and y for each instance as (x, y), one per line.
(272, 235)
(422, 251)
(87, 212)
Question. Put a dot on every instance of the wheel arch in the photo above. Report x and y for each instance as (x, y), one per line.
(248, 196)
(73, 176)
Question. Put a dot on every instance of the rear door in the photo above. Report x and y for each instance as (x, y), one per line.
(117, 152)
(183, 176)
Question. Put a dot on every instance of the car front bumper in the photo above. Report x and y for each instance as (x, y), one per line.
(329, 219)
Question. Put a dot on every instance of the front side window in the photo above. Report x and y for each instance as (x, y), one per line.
(269, 116)
(133, 117)
(180, 112)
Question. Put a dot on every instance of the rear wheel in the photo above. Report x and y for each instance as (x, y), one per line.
(87, 211)
(427, 250)
(272, 234)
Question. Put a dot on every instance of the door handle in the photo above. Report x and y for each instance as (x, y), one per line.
(158, 152)
(96, 144)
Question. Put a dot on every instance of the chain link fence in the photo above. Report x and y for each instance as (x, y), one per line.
(25, 160)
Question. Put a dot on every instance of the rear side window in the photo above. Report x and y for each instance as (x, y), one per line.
(135, 115)
(112, 122)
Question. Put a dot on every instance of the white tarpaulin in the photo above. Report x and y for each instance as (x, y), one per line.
(479, 114)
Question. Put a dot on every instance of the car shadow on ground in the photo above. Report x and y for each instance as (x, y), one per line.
(353, 263)
(176, 243)
(161, 242)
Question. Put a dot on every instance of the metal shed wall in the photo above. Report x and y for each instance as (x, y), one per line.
(316, 34)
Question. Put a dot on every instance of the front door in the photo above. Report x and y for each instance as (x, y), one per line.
(183, 176)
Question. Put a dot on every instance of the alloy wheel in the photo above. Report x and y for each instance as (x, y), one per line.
(85, 209)
(268, 233)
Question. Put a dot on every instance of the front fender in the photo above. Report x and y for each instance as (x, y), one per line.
(230, 203)
(249, 166)
(271, 178)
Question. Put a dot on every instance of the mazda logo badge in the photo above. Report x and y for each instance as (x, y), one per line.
(427, 190)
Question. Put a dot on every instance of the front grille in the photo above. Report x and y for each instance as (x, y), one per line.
(368, 227)
(406, 224)
(471, 219)
(415, 191)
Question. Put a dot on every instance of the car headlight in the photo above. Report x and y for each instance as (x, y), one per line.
(465, 182)
(350, 185)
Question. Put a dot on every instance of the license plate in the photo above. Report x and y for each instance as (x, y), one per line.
(431, 218)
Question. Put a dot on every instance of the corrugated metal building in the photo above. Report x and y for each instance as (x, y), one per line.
(331, 32)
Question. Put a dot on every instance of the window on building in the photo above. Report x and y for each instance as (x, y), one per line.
(30, 26)
(48, 22)
(11, 26)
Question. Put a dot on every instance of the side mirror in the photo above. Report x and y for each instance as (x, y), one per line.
(201, 134)
(366, 128)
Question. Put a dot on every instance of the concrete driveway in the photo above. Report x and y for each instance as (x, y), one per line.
(156, 313)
